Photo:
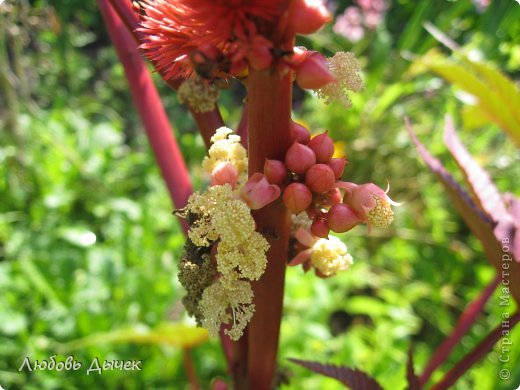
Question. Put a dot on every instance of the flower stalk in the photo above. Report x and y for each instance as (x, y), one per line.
(269, 102)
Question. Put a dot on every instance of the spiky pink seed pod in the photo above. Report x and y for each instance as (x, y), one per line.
(320, 228)
(323, 147)
(299, 158)
(257, 192)
(338, 166)
(224, 173)
(275, 171)
(313, 72)
(297, 197)
(307, 16)
(341, 218)
(300, 133)
(320, 178)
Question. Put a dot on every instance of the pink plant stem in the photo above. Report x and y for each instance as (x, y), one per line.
(207, 123)
(151, 111)
(464, 322)
(475, 355)
(269, 101)
(190, 369)
(126, 13)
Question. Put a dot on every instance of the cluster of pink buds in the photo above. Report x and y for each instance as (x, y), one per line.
(310, 180)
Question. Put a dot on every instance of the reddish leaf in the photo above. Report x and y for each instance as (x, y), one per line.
(484, 191)
(513, 207)
(353, 378)
(413, 380)
(467, 318)
(476, 354)
(479, 223)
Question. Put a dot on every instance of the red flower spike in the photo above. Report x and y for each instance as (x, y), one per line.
(224, 173)
(338, 166)
(341, 218)
(297, 197)
(300, 133)
(313, 72)
(174, 29)
(299, 158)
(257, 192)
(319, 178)
(307, 16)
(320, 228)
(275, 171)
(323, 147)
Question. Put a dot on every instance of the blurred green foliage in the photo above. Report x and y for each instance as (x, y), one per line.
(88, 244)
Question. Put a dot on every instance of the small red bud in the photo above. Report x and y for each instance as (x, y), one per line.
(300, 133)
(338, 166)
(313, 213)
(257, 192)
(224, 173)
(341, 218)
(334, 196)
(323, 147)
(307, 16)
(299, 158)
(319, 178)
(275, 171)
(320, 228)
(297, 197)
(313, 72)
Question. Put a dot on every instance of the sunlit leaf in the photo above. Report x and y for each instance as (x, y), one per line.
(173, 334)
(497, 97)
(351, 377)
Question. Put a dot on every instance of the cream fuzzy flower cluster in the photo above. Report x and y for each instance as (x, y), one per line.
(220, 217)
(200, 96)
(382, 214)
(329, 256)
(345, 68)
(226, 149)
